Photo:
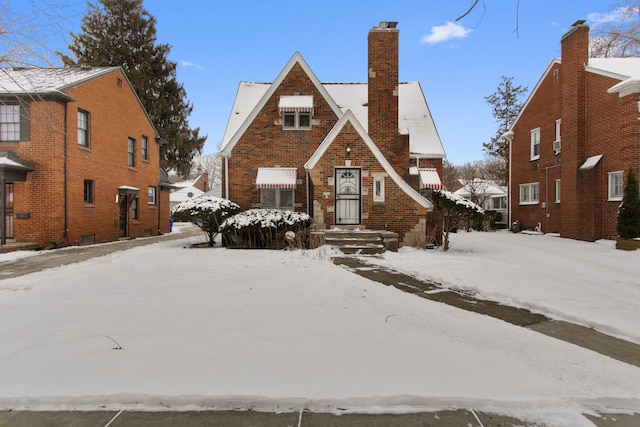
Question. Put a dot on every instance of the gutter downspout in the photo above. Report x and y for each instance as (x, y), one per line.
(508, 136)
(226, 177)
(66, 174)
(308, 196)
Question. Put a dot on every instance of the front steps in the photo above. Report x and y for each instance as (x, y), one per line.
(358, 241)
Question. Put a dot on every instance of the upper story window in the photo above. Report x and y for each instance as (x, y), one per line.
(131, 150)
(535, 144)
(83, 128)
(529, 193)
(556, 143)
(296, 111)
(616, 186)
(145, 148)
(10, 122)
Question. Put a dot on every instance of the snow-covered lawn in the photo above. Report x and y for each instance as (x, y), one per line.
(285, 330)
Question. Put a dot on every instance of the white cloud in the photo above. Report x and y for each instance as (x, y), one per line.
(620, 14)
(187, 64)
(448, 31)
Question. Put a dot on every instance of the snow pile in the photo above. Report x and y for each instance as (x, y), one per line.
(285, 330)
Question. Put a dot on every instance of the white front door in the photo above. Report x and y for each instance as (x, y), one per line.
(347, 184)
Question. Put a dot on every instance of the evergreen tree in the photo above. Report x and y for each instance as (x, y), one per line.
(122, 33)
(506, 103)
(628, 225)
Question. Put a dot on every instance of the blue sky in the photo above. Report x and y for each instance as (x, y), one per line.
(217, 44)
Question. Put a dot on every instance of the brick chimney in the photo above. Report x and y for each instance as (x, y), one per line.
(575, 54)
(383, 94)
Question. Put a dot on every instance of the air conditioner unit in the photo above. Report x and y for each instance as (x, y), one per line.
(556, 146)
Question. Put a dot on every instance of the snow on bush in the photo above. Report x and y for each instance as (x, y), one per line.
(207, 212)
(263, 228)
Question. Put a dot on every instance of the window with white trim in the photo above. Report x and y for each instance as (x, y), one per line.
(616, 186)
(151, 195)
(535, 144)
(277, 198)
(378, 189)
(558, 188)
(499, 203)
(556, 143)
(10, 122)
(83, 128)
(529, 193)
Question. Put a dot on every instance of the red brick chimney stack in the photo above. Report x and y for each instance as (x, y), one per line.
(575, 54)
(383, 91)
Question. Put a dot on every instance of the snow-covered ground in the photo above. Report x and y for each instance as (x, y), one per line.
(285, 330)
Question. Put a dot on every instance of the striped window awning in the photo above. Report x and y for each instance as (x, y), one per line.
(295, 103)
(276, 178)
(429, 179)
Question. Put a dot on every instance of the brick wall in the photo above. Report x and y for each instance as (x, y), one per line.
(114, 115)
(594, 122)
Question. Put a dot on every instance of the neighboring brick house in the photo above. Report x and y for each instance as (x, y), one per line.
(81, 159)
(574, 142)
(349, 154)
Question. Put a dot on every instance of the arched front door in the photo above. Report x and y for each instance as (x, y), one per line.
(348, 196)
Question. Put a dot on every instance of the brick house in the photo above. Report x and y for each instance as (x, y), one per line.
(349, 154)
(574, 142)
(79, 159)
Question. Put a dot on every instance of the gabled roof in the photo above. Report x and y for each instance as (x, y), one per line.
(54, 81)
(251, 109)
(349, 117)
(414, 116)
(627, 70)
(47, 80)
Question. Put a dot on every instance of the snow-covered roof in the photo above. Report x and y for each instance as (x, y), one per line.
(185, 194)
(483, 186)
(414, 116)
(46, 80)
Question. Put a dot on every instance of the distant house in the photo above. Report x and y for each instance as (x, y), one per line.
(574, 142)
(79, 159)
(341, 152)
(183, 194)
(488, 194)
(185, 190)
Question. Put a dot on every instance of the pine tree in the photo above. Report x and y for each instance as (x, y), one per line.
(122, 33)
(506, 103)
(628, 225)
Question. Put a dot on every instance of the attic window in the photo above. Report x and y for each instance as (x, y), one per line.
(296, 111)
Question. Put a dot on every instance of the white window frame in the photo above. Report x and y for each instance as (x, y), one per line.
(500, 200)
(10, 122)
(83, 128)
(151, 195)
(616, 186)
(557, 145)
(558, 190)
(296, 120)
(527, 194)
(378, 188)
(535, 143)
(278, 198)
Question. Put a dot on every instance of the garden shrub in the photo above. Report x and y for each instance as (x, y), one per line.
(266, 229)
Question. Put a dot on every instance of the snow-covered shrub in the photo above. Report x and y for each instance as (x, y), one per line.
(265, 228)
(207, 212)
(455, 209)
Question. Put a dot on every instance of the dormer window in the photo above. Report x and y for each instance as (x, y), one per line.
(296, 111)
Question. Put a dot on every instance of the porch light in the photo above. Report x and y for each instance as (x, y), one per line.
(348, 150)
